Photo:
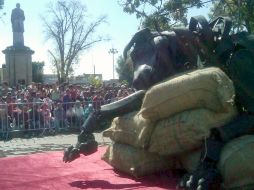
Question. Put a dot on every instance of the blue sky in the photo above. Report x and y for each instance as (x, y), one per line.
(120, 28)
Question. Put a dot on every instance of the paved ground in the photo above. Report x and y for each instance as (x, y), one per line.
(19, 146)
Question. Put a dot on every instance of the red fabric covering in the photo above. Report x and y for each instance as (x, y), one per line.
(47, 171)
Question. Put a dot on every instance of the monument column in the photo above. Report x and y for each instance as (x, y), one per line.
(18, 57)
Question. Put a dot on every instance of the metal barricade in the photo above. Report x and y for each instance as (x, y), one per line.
(39, 118)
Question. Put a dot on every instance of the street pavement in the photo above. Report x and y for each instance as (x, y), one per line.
(23, 146)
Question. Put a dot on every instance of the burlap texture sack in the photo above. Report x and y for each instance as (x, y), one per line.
(134, 161)
(204, 88)
(235, 165)
(185, 131)
(131, 129)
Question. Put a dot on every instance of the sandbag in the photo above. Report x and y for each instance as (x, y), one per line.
(235, 165)
(185, 131)
(204, 88)
(131, 129)
(136, 162)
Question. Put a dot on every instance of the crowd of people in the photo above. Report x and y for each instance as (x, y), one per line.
(53, 107)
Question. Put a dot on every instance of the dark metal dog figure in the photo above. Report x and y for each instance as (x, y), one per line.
(158, 55)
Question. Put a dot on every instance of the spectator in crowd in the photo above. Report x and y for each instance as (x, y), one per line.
(55, 94)
(109, 96)
(34, 114)
(67, 100)
(22, 110)
(98, 100)
(46, 117)
(33, 87)
(59, 117)
(73, 92)
(37, 97)
(4, 119)
(11, 103)
(87, 97)
(5, 89)
(49, 102)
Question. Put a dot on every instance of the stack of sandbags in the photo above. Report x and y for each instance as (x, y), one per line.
(176, 115)
(134, 161)
(235, 165)
(131, 135)
(186, 108)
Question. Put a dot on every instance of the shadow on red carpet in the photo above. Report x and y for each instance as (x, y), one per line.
(46, 171)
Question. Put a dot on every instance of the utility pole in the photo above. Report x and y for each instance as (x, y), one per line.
(93, 64)
(113, 51)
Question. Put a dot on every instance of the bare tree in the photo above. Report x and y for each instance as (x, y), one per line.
(67, 27)
(1, 4)
(1, 7)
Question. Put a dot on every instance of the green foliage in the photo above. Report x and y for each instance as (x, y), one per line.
(160, 14)
(240, 11)
(95, 81)
(37, 70)
(1, 4)
(125, 82)
(124, 70)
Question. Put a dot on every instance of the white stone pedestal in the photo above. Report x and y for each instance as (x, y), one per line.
(18, 65)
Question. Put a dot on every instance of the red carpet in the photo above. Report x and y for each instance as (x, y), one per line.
(47, 171)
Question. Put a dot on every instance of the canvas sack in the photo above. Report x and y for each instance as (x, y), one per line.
(185, 131)
(204, 88)
(131, 129)
(134, 161)
(236, 163)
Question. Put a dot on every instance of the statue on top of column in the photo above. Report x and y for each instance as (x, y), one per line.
(17, 20)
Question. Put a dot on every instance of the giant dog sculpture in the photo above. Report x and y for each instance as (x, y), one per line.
(158, 55)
